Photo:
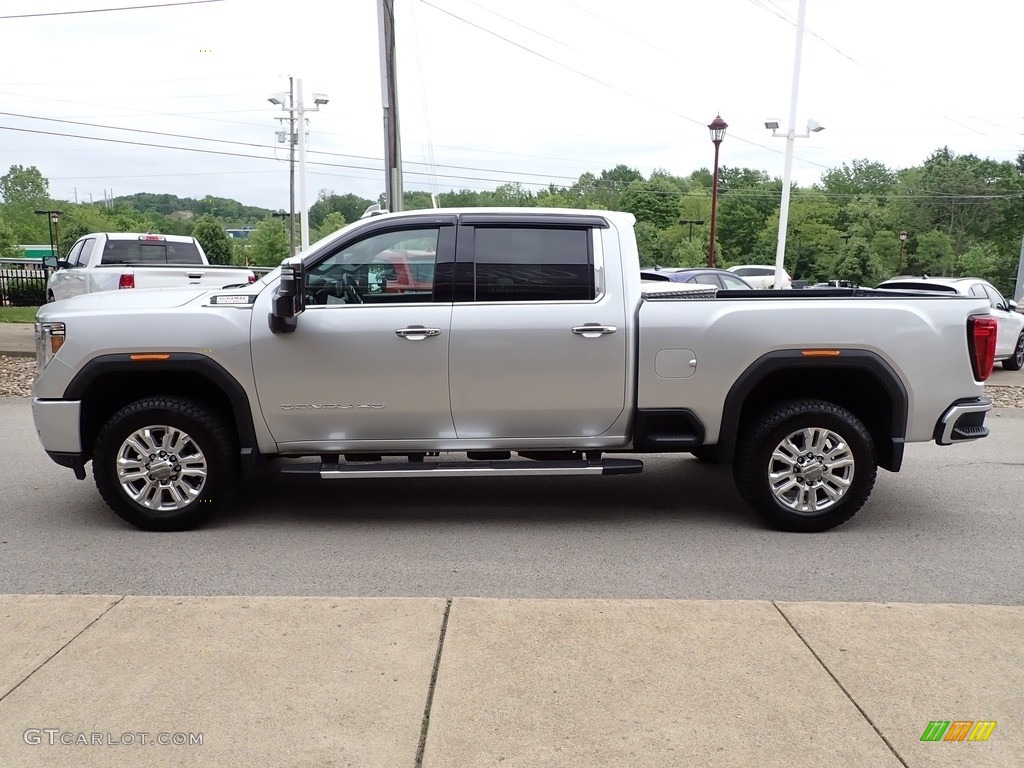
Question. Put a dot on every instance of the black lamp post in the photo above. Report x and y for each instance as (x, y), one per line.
(717, 128)
(903, 240)
(691, 222)
(52, 218)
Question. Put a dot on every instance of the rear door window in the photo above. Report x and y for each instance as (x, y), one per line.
(526, 263)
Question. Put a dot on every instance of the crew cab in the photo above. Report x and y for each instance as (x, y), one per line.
(530, 347)
(110, 261)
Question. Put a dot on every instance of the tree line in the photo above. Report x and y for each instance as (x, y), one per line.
(962, 215)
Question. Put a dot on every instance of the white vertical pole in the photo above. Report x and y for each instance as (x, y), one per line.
(780, 249)
(301, 119)
(1018, 288)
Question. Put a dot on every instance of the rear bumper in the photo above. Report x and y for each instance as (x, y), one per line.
(963, 421)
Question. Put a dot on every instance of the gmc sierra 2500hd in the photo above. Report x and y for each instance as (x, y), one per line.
(532, 334)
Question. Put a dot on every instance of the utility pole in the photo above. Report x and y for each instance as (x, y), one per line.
(291, 168)
(304, 222)
(389, 101)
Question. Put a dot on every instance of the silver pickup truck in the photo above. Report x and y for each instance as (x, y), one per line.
(524, 342)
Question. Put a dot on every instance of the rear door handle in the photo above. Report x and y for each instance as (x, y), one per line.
(194, 275)
(417, 332)
(593, 330)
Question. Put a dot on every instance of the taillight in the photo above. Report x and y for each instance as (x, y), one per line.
(981, 339)
(252, 278)
(126, 281)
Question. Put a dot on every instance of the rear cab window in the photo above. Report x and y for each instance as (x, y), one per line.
(151, 251)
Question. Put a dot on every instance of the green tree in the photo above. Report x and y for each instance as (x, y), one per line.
(655, 201)
(350, 206)
(933, 254)
(215, 241)
(331, 224)
(267, 245)
(8, 243)
(24, 186)
(862, 177)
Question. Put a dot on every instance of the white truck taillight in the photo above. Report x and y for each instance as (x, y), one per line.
(126, 281)
(981, 341)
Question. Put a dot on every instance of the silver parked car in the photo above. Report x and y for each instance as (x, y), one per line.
(1010, 333)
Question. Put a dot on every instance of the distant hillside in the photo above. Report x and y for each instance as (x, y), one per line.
(231, 212)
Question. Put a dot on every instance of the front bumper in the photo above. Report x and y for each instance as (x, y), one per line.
(963, 421)
(58, 424)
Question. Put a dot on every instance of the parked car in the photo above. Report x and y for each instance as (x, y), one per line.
(717, 278)
(113, 261)
(1010, 333)
(761, 276)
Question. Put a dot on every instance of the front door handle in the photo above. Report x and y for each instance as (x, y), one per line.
(593, 330)
(417, 332)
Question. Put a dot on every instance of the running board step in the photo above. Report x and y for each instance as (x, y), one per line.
(468, 469)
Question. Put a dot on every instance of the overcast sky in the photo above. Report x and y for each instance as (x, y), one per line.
(492, 91)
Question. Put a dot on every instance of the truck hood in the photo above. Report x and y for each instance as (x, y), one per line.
(151, 298)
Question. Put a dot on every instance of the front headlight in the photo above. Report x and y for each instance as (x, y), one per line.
(49, 338)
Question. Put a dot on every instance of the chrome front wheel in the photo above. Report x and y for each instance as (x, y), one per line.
(161, 468)
(165, 463)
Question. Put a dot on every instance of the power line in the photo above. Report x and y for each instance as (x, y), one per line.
(105, 10)
(601, 82)
(263, 146)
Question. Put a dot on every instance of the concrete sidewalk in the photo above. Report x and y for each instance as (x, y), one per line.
(17, 339)
(102, 680)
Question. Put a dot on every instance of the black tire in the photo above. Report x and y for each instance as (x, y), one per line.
(185, 484)
(50, 297)
(820, 494)
(705, 454)
(1016, 361)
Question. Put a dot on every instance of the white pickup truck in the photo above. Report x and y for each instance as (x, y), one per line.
(111, 261)
(528, 333)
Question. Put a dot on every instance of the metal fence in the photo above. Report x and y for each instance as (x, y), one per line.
(22, 283)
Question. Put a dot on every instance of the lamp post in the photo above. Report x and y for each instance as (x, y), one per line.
(717, 128)
(691, 222)
(297, 111)
(52, 217)
(903, 241)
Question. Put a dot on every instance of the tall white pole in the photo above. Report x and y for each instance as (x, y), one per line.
(780, 250)
(301, 119)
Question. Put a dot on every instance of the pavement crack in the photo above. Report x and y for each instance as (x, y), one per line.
(421, 748)
(49, 658)
(889, 744)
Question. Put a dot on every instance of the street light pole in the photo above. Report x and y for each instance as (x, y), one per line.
(717, 128)
(691, 222)
(787, 170)
(903, 240)
(296, 114)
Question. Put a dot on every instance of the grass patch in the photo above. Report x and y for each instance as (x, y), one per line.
(18, 314)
